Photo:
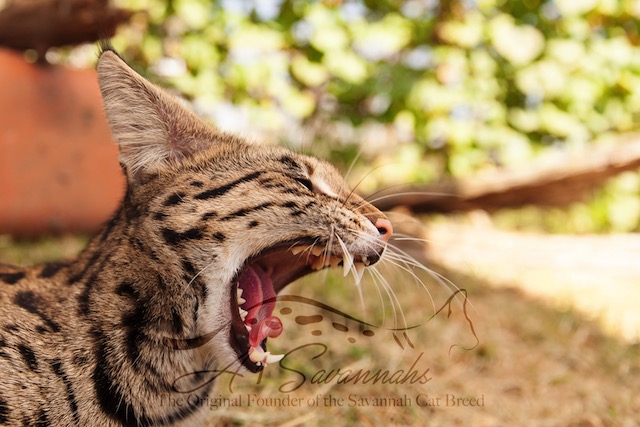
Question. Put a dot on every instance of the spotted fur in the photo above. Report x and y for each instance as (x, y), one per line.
(84, 342)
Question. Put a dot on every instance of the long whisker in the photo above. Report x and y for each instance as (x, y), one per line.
(345, 253)
(392, 298)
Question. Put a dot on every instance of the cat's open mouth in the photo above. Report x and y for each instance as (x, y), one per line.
(253, 294)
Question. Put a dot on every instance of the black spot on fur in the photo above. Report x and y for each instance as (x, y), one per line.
(29, 357)
(174, 199)
(219, 237)
(125, 289)
(174, 238)
(176, 321)
(159, 216)
(4, 411)
(188, 267)
(12, 278)
(33, 304)
(134, 322)
(42, 420)
(56, 365)
(197, 184)
(253, 224)
(51, 269)
(208, 215)
(296, 213)
(219, 191)
(290, 205)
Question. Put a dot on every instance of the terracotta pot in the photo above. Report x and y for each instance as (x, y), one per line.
(59, 171)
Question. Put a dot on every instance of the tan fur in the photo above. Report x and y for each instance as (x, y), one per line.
(85, 342)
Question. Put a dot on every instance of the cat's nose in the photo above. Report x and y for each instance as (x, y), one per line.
(384, 228)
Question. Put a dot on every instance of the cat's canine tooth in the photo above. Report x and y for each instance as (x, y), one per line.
(365, 261)
(241, 300)
(298, 249)
(248, 328)
(348, 262)
(316, 250)
(359, 272)
(273, 358)
(239, 292)
(256, 354)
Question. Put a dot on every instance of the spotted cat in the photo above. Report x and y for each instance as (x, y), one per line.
(182, 280)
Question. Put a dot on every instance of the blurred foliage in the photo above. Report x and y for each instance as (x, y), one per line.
(420, 89)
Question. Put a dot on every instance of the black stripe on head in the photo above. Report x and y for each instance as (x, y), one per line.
(246, 211)
(219, 191)
(174, 238)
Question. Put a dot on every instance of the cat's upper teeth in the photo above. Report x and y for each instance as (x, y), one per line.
(319, 259)
(298, 249)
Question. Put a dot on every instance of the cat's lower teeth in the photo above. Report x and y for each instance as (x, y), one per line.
(320, 259)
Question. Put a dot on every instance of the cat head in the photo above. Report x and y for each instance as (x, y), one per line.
(245, 219)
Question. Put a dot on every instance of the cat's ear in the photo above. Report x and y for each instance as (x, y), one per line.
(152, 129)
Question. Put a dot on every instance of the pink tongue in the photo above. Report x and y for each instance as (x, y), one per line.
(260, 302)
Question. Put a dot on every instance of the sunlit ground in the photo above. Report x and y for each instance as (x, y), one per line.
(531, 365)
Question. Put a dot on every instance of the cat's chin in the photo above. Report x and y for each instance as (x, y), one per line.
(254, 292)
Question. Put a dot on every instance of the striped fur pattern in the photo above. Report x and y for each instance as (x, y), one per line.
(85, 342)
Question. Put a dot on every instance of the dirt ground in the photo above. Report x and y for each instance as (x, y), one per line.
(534, 362)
